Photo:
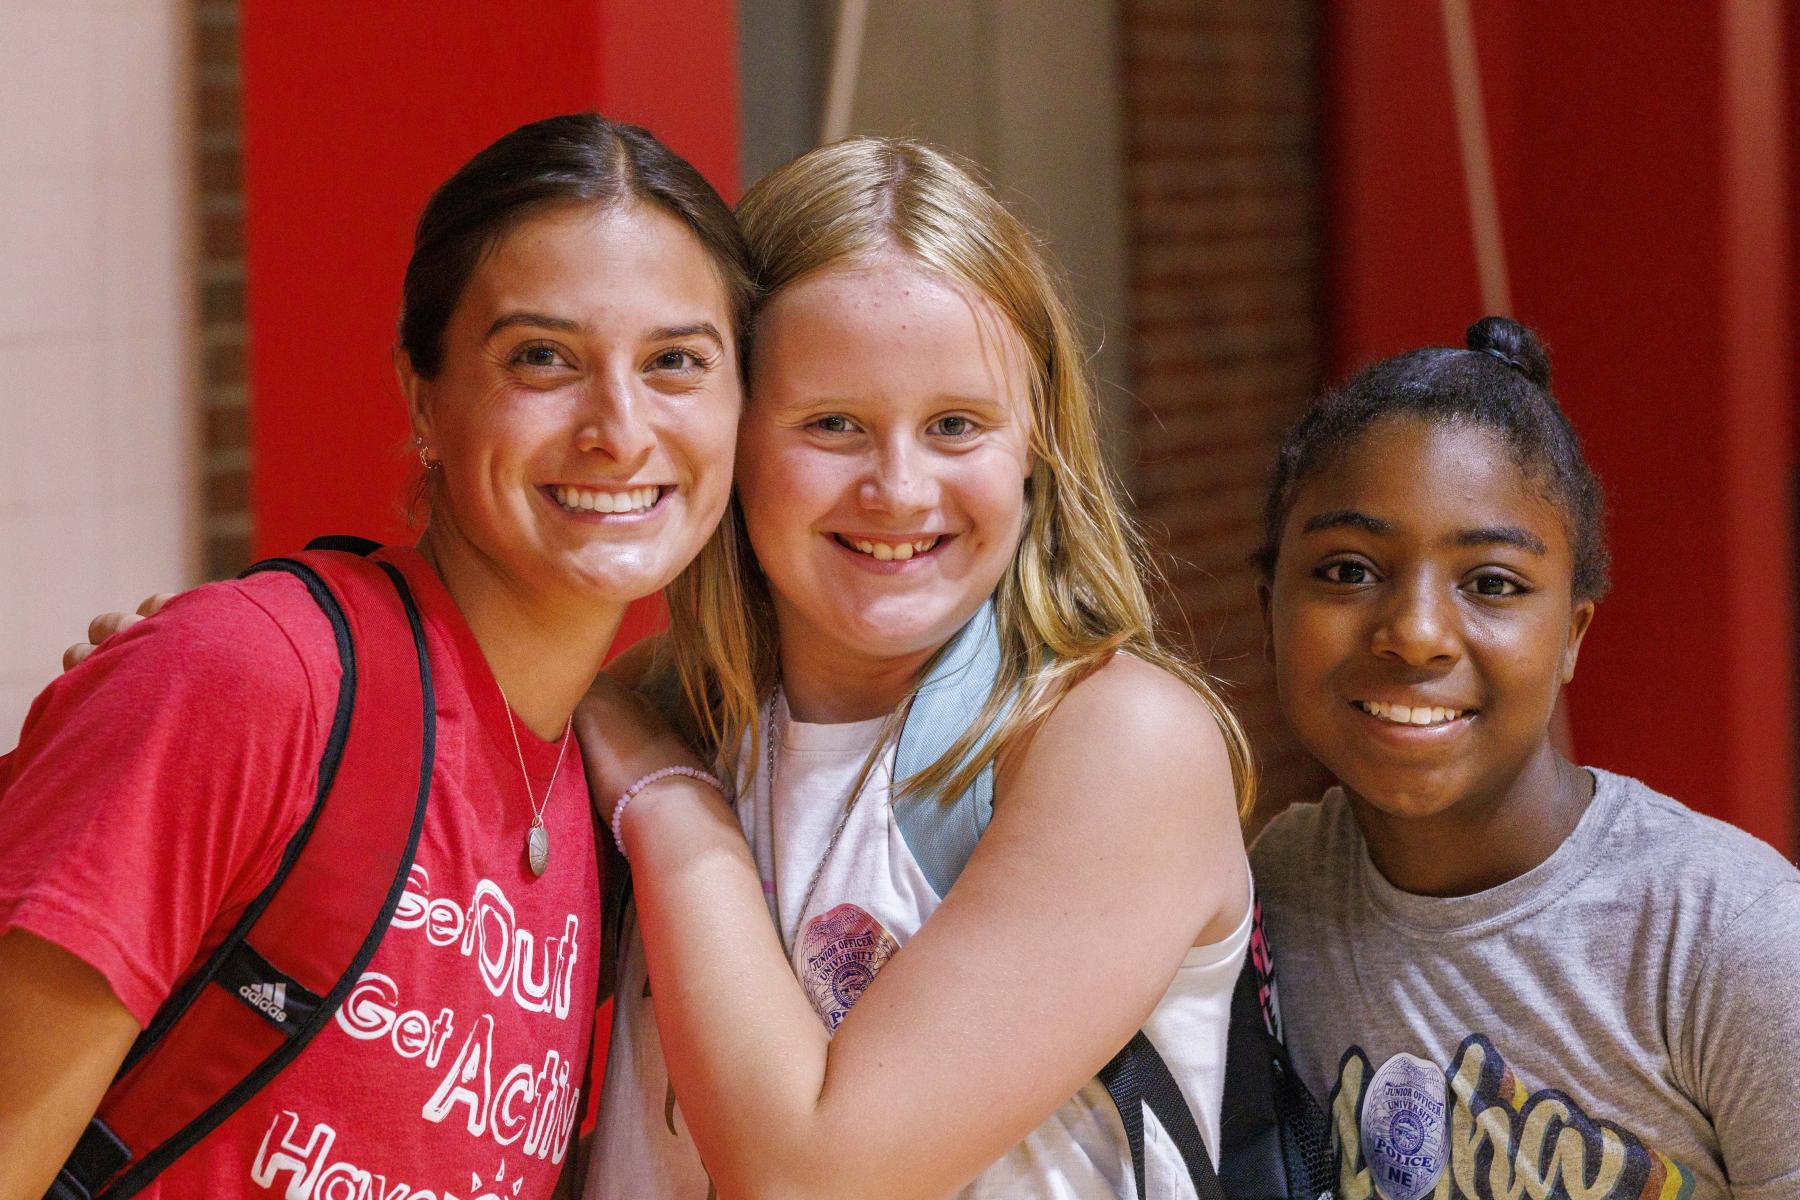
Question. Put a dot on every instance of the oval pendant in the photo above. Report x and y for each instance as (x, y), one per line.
(537, 848)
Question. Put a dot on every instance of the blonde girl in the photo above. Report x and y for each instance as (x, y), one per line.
(920, 443)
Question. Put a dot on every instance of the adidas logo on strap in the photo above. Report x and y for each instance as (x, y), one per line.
(270, 998)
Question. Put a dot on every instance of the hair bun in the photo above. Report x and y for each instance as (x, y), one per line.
(1514, 345)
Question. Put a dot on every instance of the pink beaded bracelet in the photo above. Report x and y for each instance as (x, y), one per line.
(618, 817)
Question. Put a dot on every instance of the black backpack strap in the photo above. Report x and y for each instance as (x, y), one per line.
(278, 975)
(1136, 1078)
(1274, 1138)
(1163, 1096)
(1119, 1076)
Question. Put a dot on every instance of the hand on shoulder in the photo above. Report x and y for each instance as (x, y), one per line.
(623, 738)
(254, 646)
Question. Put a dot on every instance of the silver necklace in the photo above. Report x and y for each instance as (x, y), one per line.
(537, 838)
(771, 758)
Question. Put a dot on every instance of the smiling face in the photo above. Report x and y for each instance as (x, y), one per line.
(585, 412)
(1421, 618)
(883, 459)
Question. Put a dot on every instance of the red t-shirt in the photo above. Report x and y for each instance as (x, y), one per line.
(151, 796)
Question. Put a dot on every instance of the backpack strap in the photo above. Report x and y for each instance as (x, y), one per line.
(1137, 1077)
(1272, 1131)
(941, 832)
(282, 972)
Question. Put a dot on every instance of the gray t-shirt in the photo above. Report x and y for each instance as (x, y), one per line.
(1622, 1021)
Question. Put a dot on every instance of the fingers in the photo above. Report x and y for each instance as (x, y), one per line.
(107, 624)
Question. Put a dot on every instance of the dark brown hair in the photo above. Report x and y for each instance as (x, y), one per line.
(576, 158)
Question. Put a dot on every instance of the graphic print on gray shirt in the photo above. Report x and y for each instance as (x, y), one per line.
(1622, 1022)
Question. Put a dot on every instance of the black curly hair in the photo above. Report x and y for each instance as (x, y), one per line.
(1500, 382)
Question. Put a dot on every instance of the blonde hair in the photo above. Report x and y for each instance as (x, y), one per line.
(1074, 593)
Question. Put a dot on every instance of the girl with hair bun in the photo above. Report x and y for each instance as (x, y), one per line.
(921, 493)
(1510, 974)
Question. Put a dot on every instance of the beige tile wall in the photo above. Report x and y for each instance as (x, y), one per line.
(98, 422)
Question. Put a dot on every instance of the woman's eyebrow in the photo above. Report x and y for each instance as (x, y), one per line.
(1347, 518)
(692, 329)
(568, 325)
(541, 320)
(1503, 535)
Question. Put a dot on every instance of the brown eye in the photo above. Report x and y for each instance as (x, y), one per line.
(677, 360)
(1343, 572)
(1495, 585)
(538, 354)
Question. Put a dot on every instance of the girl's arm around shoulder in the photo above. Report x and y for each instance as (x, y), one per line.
(1114, 848)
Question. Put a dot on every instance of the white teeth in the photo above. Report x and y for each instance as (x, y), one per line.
(903, 551)
(595, 500)
(1402, 714)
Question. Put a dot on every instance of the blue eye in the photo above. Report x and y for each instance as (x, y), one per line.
(955, 426)
(834, 424)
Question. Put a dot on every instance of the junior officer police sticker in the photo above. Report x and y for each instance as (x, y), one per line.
(842, 950)
(1403, 1119)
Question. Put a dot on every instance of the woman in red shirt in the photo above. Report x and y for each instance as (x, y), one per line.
(569, 359)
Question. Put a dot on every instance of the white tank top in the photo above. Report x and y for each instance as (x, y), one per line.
(869, 898)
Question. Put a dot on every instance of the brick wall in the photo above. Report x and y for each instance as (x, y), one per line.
(1222, 169)
(225, 399)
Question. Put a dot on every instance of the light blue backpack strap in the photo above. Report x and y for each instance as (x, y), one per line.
(941, 831)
